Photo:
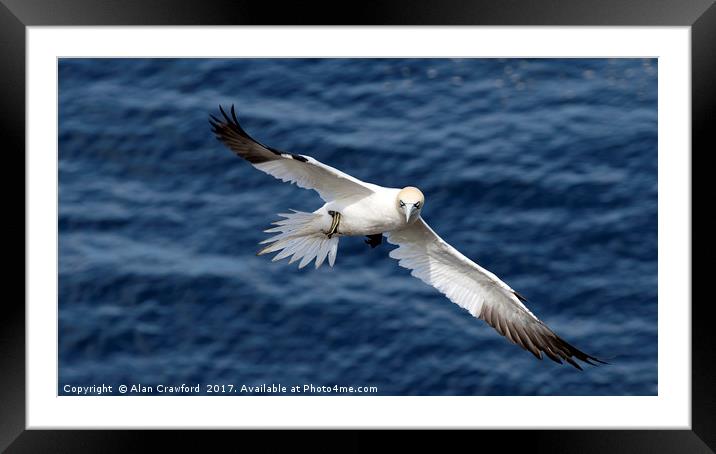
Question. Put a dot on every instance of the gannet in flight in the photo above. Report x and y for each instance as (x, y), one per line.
(356, 208)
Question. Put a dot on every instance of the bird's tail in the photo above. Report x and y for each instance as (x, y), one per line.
(301, 236)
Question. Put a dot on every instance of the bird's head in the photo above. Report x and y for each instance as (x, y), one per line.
(410, 202)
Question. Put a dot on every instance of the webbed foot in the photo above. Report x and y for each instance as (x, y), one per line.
(374, 240)
(334, 225)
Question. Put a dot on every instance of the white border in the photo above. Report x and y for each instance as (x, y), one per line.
(670, 409)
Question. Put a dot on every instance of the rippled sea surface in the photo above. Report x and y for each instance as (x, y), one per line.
(543, 171)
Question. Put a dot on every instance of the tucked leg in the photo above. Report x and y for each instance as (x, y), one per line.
(374, 240)
(334, 225)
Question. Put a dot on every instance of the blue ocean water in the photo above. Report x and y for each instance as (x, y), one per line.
(543, 171)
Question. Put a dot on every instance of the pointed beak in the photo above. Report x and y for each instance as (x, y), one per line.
(408, 211)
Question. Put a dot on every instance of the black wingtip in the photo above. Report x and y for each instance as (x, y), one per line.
(215, 124)
(226, 117)
(559, 350)
(580, 355)
(552, 356)
(231, 121)
(233, 115)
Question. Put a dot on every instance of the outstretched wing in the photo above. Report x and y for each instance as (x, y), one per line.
(303, 170)
(479, 291)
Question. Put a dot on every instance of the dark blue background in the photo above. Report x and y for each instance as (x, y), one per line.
(544, 171)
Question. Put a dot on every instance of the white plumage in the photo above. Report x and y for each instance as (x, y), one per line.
(356, 208)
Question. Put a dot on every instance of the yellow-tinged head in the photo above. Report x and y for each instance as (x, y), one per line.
(410, 202)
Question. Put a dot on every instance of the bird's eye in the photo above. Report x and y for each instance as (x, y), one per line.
(402, 204)
(417, 204)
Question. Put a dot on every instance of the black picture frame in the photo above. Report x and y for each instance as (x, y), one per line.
(16, 15)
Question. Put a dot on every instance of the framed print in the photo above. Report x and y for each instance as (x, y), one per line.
(552, 149)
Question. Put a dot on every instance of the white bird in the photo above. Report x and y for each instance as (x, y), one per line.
(356, 208)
